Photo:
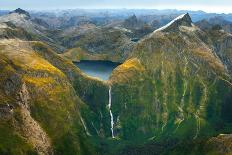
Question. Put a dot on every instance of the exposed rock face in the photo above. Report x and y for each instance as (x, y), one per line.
(9, 31)
(220, 41)
(221, 145)
(133, 23)
(23, 123)
(37, 100)
(223, 48)
(40, 22)
(29, 128)
(21, 11)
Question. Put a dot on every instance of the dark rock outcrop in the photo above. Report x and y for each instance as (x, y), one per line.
(21, 11)
(133, 23)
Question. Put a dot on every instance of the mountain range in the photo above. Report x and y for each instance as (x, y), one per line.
(171, 94)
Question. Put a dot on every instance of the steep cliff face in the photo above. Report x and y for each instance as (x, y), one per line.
(176, 88)
(93, 92)
(12, 141)
(39, 105)
(221, 42)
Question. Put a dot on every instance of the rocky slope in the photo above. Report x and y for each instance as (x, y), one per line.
(34, 26)
(39, 107)
(220, 41)
(10, 31)
(172, 94)
(222, 144)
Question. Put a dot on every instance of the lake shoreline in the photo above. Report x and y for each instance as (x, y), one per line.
(97, 68)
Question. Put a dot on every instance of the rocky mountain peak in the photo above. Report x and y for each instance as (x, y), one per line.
(21, 11)
(182, 20)
(133, 22)
(133, 17)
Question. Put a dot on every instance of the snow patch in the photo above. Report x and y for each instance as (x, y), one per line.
(176, 20)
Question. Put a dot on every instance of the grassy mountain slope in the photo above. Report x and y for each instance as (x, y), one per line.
(40, 106)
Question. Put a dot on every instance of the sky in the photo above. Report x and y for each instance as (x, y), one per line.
(218, 6)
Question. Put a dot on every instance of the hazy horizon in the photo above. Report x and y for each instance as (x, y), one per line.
(209, 6)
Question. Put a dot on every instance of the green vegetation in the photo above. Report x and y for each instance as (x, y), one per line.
(53, 103)
(101, 44)
(170, 96)
(11, 142)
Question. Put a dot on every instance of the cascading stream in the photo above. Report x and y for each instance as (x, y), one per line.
(111, 114)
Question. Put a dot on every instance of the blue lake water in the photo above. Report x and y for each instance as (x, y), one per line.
(99, 69)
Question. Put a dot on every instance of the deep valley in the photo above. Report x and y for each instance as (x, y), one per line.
(124, 82)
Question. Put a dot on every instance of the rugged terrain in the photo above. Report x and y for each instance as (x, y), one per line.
(40, 109)
(171, 95)
(176, 83)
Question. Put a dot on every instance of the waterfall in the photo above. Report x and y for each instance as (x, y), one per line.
(111, 114)
(83, 123)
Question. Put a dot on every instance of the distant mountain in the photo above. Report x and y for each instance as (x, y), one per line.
(36, 27)
(218, 20)
(100, 43)
(3, 12)
(41, 22)
(172, 94)
(133, 23)
(20, 11)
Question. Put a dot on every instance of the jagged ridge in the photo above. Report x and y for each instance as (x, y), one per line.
(20, 11)
(182, 20)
